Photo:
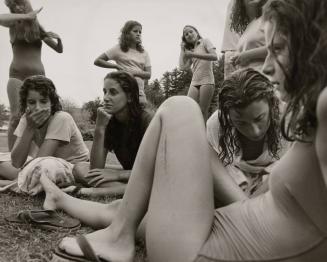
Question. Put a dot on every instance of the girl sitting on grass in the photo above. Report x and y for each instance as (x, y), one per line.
(244, 131)
(44, 129)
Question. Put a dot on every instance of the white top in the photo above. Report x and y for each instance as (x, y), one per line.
(61, 127)
(132, 60)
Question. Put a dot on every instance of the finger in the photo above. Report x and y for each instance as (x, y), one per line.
(39, 10)
(95, 180)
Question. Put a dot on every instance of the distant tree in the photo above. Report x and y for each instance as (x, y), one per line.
(68, 105)
(91, 107)
(4, 115)
(154, 93)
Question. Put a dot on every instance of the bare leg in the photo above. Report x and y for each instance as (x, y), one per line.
(194, 93)
(13, 88)
(93, 214)
(172, 167)
(7, 171)
(206, 93)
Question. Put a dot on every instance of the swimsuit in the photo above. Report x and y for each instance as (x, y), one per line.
(26, 59)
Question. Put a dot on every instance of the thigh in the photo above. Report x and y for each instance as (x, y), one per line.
(13, 88)
(206, 93)
(181, 207)
(193, 92)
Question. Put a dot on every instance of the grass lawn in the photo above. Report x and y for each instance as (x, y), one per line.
(26, 243)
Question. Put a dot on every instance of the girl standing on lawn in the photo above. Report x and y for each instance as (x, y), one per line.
(129, 55)
(44, 129)
(26, 37)
(246, 20)
(120, 126)
(198, 53)
(287, 223)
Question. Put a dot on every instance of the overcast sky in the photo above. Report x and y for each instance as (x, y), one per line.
(90, 27)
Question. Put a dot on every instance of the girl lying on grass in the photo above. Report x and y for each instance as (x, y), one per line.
(120, 126)
(44, 129)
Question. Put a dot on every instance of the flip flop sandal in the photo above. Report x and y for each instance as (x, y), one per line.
(47, 219)
(89, 255)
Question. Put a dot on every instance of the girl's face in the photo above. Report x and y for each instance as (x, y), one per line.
(253, 120)
(114, 97)
(35, 101)
(277, 59)
(190, 35)
(135, 34)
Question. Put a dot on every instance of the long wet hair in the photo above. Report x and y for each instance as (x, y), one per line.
(124, 39)
(304, 23)
(28, 31)
(188, 45)
(239, 18)
(239, 90)
(45, 87)
(129, 85)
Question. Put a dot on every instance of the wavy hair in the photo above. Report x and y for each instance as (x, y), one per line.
(238, 91)
(129, 85)
(304, 23)
(42, 85)
(124, 39)
(187, 45)
(239, 18)
(28, 31)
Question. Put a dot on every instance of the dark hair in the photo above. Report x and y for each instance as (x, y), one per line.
(239, 90)
(129, 85)
(304, 23)
(42, 85)
(124, 39)
(187, 45)
(239, 18)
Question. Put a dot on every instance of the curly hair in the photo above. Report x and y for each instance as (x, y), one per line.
(238, 91)
(190, 46)
(239, 17)
(129, 85)
(42, 85)
(124, 39)
(307, 72)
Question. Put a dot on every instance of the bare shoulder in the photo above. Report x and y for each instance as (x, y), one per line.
(322, 106)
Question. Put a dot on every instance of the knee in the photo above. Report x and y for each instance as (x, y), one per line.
(80, 170)
(179, 105)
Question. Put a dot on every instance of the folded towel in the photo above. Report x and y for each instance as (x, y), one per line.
(56, 169)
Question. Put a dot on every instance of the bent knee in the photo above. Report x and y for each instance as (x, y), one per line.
(80, 170)
(178, 104)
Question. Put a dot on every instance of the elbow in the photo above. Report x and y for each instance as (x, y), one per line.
(96, 62)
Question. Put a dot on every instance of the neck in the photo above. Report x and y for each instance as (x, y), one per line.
(251, 12)
(132, 45)
(123, 116)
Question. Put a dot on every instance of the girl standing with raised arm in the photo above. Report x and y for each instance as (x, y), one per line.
(26, 39)
(129, 55)
(198, 53)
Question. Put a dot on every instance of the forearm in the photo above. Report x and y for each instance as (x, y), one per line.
(10, 19)
(255, 54)
(98, 156)
(142, 74)
(209, 56)
(105, 64)
(21, 149)
(184, 63)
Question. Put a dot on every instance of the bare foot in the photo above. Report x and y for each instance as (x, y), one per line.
(53, 193)
(105, 246)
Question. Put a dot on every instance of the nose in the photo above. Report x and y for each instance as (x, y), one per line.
(255, 131)
(37, 105)
(268, 67)
(106, 97)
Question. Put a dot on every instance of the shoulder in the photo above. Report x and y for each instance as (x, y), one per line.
(62, 116)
